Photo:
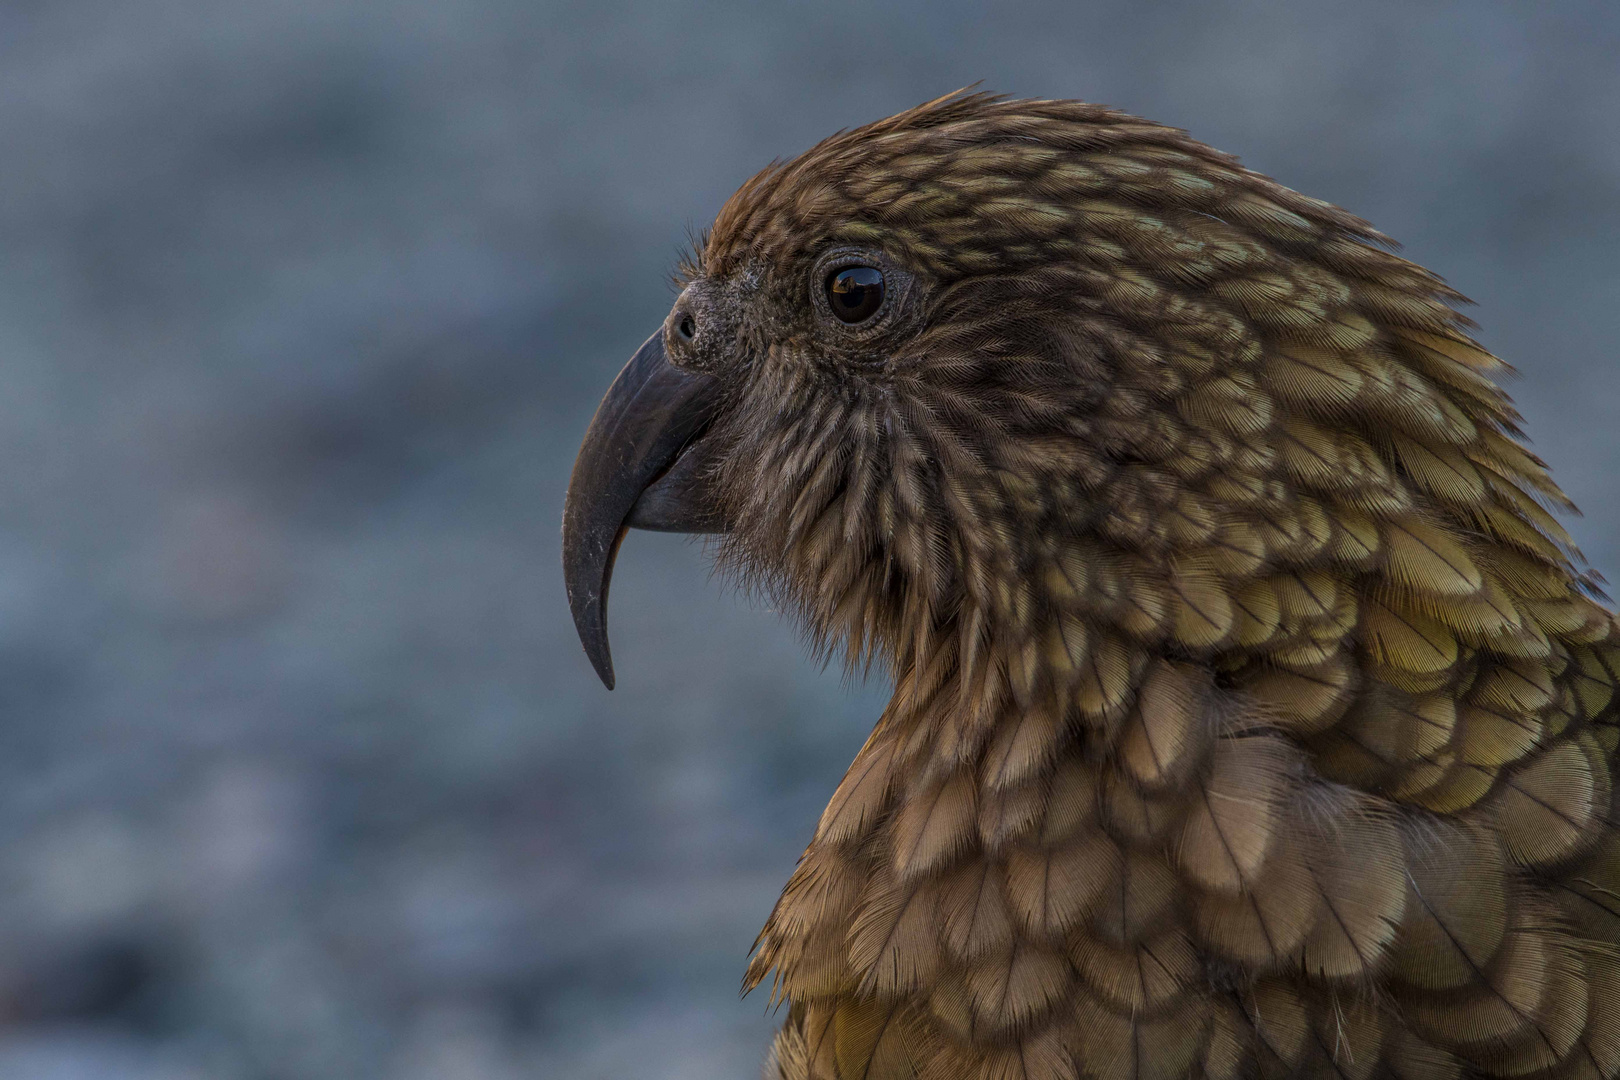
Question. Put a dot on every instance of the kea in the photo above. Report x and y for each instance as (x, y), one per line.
(1253, 714)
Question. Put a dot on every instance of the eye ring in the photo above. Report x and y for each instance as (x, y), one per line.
(893, 311)
(855, 293)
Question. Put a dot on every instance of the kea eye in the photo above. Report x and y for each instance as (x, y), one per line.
(855, 293)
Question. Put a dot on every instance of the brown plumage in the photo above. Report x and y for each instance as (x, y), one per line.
(1253, 714)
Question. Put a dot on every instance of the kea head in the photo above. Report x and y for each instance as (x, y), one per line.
(1252, 714)
(1015, 392)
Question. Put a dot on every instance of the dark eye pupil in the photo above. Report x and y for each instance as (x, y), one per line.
(855, 293)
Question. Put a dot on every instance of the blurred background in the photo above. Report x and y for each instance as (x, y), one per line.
(304, 307)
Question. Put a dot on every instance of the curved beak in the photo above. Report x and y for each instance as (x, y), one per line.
(640, 466)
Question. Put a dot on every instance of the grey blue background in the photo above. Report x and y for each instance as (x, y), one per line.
(304, 306)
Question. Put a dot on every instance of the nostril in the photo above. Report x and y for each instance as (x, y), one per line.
(686, 328)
